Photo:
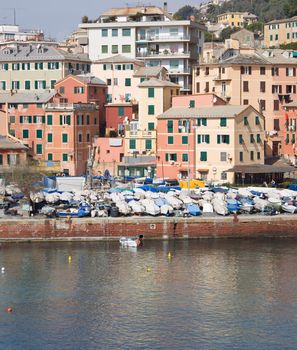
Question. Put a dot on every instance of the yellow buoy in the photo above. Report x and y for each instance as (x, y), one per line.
(148, 269)
(169, 255)
(69, 258)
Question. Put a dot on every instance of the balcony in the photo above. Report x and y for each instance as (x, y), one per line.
(141, 134)
(162, 38)
(176, 71)
(71, 106)
(164, 54)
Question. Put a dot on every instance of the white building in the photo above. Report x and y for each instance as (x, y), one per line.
(10, 33)
(148, 33)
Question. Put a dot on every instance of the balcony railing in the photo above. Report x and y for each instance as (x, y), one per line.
(165, 53)
(163, 37)
(71, 106)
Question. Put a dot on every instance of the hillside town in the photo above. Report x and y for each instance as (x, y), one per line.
(139, 93)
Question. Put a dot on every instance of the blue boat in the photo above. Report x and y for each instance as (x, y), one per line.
(83, 210)
(233, 205)
(193, 209)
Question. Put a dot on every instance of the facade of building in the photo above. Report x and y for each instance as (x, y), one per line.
(9, 33)
(289, 133)
(37, 67)
(206, 142)
(150, 34)
(278, 32)
(236, 19)
(265, 79)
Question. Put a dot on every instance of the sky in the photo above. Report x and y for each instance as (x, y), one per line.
(58, 18)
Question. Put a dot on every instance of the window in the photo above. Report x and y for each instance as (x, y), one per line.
(38, 66)
(151, 92)
(202, 121)
(121, 111)
(50, 137)
(39, 134)
(25, 134)
(12, 119)
(64, 138)
(114, 49)
(3, 66)
(151, 109)
(80, 138)
(25, 66)
(52, 65)
(276, 124)
(245, 102)
(241, 156)
(258, 155)
(257, 120)
(291, 72)
(53, 82)
(127, 82)
(151, 126)
(65, 157)
(62, 90)
(245, 86)
(148, 144)
(262, 70)
(241, 140)
(223, 156)
(170, 140)
(39, 148)
(262, 86)
(49, 120)
(185, 157)
(126, 32)
(49, 156)
(88, 137)
(108, 82)
(223, 175)
(223, 122)
(172, 157)
(104, 48)
(126, 48)
(223, 139)
(274, 71)
(206, 70)
(252, 155)
(184, 140)
(252, 139)
(1, 159)
(40, 84)
(79, 89)
(170, 126)
(203, 139)
(192, 104)
(263, 105)
(197, 88)
(276, 105)
(15, 85)
(27, 85)
(15, 66)
(132, 144)
(246, 70)
(206, 87)
(114, 32)
(104, 32)
(2, 85)
(245, 121)
(174, 64)
(203, 156)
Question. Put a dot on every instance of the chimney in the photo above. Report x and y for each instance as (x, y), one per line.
(165, 8)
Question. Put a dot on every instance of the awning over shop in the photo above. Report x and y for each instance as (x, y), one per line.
(261, 169)
(203, 170)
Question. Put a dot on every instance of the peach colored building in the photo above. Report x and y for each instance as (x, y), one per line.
(265, 79)
(109, 153)
(236, 19)
(208, 142)
(198, 100)
(281, 31)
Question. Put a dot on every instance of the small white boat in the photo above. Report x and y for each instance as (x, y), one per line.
(131, 242)
(247, 207)
(207, 208)
(289, 208)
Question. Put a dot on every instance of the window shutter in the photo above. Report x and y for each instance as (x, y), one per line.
(218, 139)
(48, 65)
(21, 119)
(43, 84)
(30, 119)
(34, 119)
(166, 157)
(227, 139)
(199, 122)
(6, 66)
(242, 70)
(199, 138)
(207, 138)
(36, 84)
(68, 119)
(61, 120)
(204, 121)
(43, 119)
(49, 120)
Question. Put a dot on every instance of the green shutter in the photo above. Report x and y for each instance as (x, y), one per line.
(199, 122)
(25, 134)
(65, 157)
(257, 120)
(30, 119)
(148, 144)
(132, 144)
(198, 138)
(36, 84)
(240, 139)
(57, 65)
(64, 138)
(204, 121)
(207, 139)
(170, 140)
(151, 92)
(21, 119)
(27, 85)
(184, 140)
(151, 109)
(241, 156)
(43, 84)
(192, 104)
(39, 134)
(259, 138)
(50, 156)
(49, 119)
(151, 126)
(121, 111)
(61, 120)
(49, 137)
(223, 122)
(227, 137)
(39, 148)
(218, 139)
(53, 82)
(68, 119)
(166, 157)
(43, 119)
(170, 126)
(6, 66)
(245, 121)
(127, 82)
(203, 156)
(185, 157)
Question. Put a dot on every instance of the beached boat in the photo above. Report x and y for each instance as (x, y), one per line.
(193, 209)
(288, 208)
(207, 208)
(83, 210)
(233, 205)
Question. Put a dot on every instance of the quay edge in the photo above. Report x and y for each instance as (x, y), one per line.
(19, 229)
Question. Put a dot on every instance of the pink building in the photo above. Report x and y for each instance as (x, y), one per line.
(208, 99)
(289, 146)
(117, 114)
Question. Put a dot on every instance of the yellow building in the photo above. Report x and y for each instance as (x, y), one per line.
(236, 19)
(278, 32)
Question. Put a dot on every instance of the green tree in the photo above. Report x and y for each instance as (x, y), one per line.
(185, 12)
(290, 8)
(226, 33)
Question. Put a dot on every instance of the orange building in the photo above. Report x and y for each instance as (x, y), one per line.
(289, 134)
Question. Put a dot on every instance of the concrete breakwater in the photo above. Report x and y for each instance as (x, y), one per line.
(150, 227)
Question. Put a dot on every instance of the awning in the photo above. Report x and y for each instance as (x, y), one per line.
(261, 169)
(203, 170)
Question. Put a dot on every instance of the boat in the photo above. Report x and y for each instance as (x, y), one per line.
(233, 205)
(275, 202)
(131, 242)
(207, 208)
(83, 210)
(193, 209)
(288, 208)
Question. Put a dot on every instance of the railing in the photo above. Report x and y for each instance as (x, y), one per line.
(179, 70)
(163, 53)
(163, 38)
(141, 133)
(71, 106)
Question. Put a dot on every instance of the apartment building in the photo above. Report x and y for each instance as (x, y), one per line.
(150, 34)
(10, 33)
(236, 19)
(282, 31)
(265, 79)
(207, 142)
(37, 67)
(155, 97)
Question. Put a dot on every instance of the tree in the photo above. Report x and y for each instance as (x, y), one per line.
(290, 8)
(185, 12)
(255, 27)
(226, 33)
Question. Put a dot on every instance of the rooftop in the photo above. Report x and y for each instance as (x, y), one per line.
(132, 11)
(26, 97)
(38, 52)
(119, 59)
(227, 111)
(89, 79)
(8, 143)
(149, 71)
(153, 82)
(285, 20)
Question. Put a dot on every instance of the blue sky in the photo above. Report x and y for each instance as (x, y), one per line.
(58, 18)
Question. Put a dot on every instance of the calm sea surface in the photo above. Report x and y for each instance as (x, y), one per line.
(212, 294)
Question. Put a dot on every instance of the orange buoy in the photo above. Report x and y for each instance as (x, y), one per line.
(9, 310)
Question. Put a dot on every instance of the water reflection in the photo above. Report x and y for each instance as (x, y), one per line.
(211, 294)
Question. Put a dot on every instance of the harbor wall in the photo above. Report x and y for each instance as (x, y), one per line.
(150, 227)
